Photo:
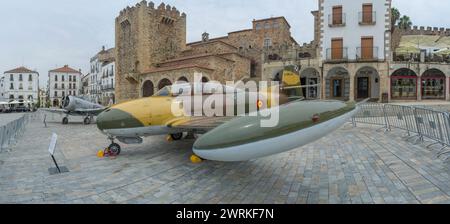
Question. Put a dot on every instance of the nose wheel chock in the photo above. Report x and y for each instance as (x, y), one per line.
(196, 159)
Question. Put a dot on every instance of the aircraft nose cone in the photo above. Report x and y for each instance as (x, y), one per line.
(116, 119)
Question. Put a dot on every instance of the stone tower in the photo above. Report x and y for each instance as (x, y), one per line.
(145, 36)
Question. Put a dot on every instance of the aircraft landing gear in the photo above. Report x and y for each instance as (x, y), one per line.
(113, 149)
(65, 120)
(87, 120)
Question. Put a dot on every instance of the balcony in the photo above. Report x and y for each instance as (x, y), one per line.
(337, 54)
(337, 20)
(107, 87)
(367, 54)
(367, 18)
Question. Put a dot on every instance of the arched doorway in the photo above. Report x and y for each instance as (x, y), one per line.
(404, 84)
(183, 80)
(55, 103)
(205, 79)
(309, 77)
(163, 83)
(277, 76)
(338, 84)
(433, 84)
(367, 83)
(147, 89)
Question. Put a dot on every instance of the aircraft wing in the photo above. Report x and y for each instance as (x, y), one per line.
(90, 111)
(198, 124)
(56, 111)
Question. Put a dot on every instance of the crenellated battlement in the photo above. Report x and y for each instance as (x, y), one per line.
(146, 34)
(162, 9)
(422, 30)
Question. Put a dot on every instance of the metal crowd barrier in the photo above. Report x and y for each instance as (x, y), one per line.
(418, 122)
(12, 131)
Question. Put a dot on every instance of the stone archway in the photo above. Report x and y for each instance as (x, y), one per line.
(148, 89)
(183, 79)
(337, 84)
(404, 84)
(205, 79)
(163, 83)
(309, 77)
(367, 83)
(433, 84)
(277, 76)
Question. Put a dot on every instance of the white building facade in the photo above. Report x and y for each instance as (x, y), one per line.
(108, 83)
(95, 81)
(63, 82)
(85, 86)
(355, 29)
(354, 46)
(2, 90)
(101, 81)
(43, 99)
(21, 84)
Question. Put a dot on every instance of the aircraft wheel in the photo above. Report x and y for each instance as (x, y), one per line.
(87, 120)
(177, 136)
(65, 120)
(114, 149)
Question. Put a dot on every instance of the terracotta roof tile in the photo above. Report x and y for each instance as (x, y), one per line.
(65, 69)
(20, 70)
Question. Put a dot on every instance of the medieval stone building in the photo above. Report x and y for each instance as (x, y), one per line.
(151, 50)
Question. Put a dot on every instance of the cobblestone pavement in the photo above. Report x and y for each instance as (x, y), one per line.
(349, 166)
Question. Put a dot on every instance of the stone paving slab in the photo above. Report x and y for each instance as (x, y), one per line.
(350, 166)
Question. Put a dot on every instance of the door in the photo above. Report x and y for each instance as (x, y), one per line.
(337, 15)
(367, 48)
(367, 13)
(337, 46)
(363, 88)
(337, 88)
(303, 83)
(312, 90)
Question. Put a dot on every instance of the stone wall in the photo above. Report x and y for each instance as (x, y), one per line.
(416, 30)
(208, 47)
(149, 39)
(145, 36)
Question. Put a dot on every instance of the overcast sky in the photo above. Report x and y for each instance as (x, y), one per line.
(46, 34)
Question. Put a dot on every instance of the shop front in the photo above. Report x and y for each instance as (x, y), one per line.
(367, 82)
(309, 78)
(404, 84)
(433, 85)
(337, 84)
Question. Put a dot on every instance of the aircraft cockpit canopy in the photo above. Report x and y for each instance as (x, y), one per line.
(204, 89)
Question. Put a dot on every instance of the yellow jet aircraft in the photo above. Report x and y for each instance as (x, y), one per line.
(224, 138)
